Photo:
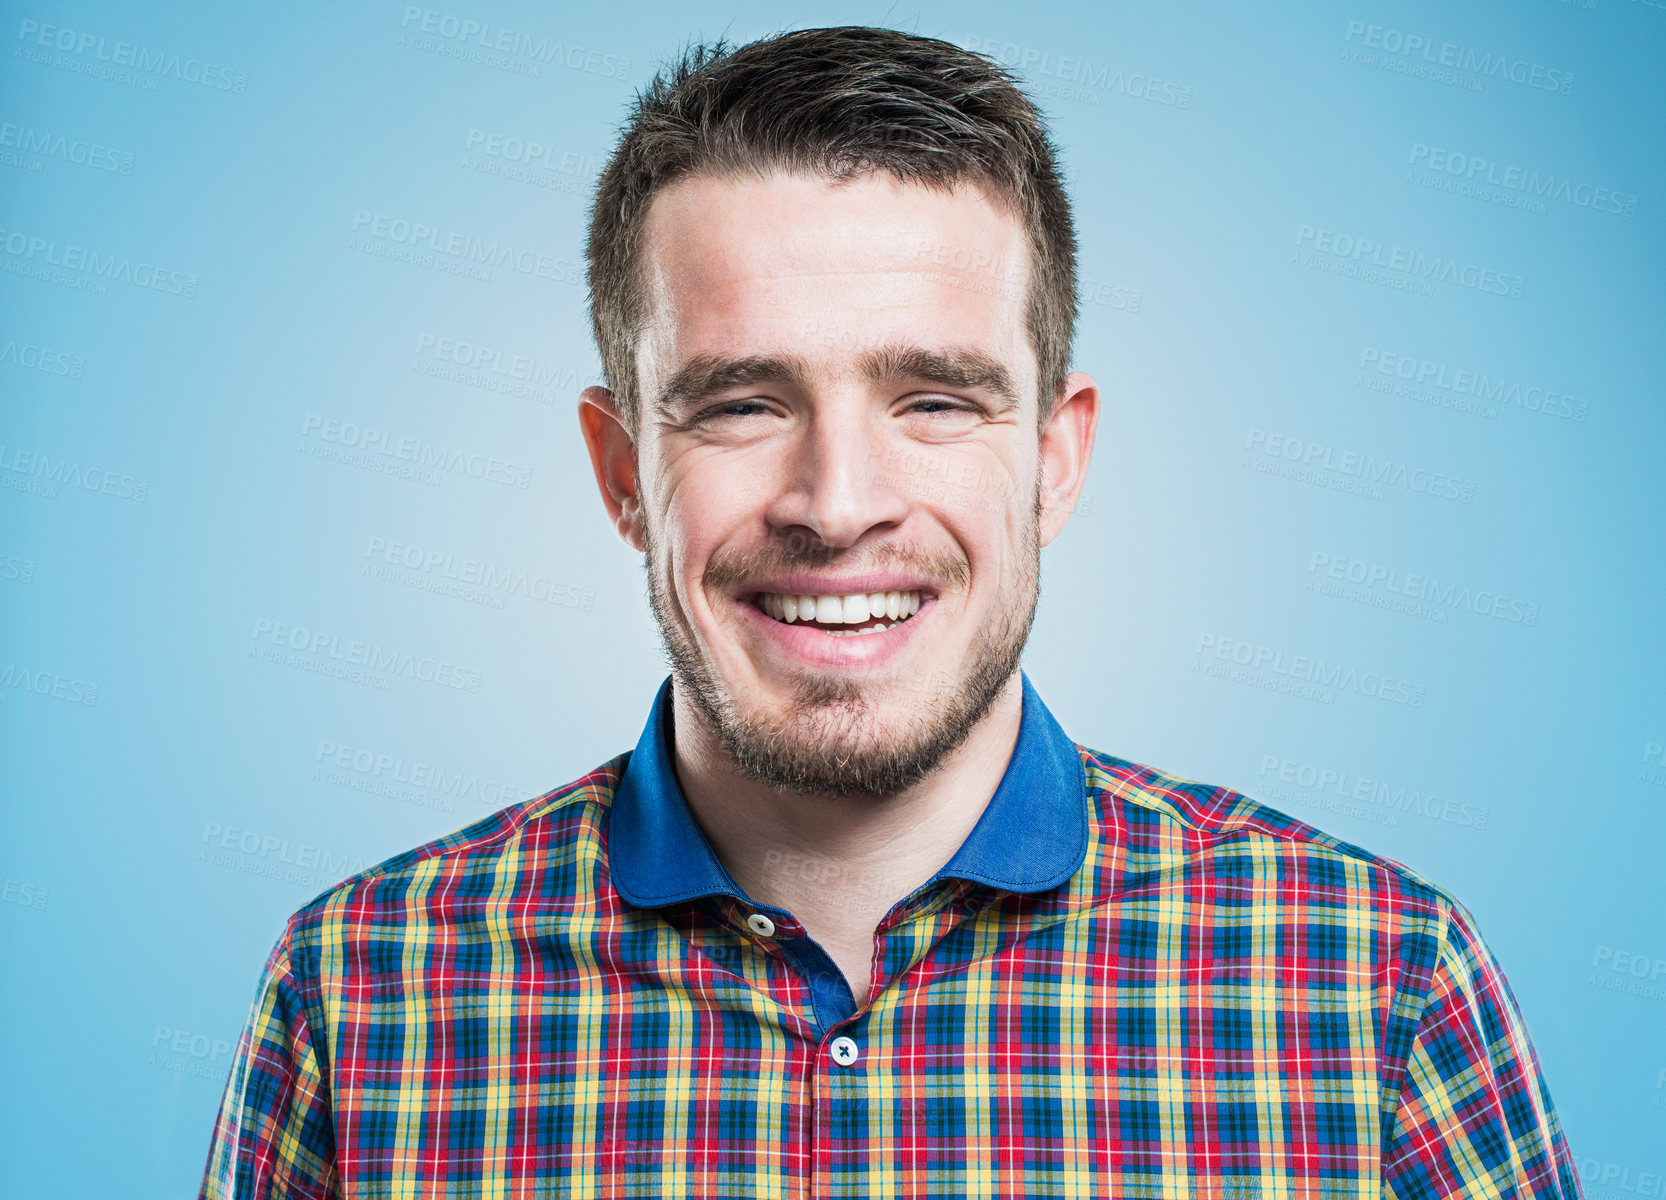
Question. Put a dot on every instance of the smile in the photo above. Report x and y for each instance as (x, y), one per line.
(842, 616)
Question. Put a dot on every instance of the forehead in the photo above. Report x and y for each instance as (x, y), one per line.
(796, 263)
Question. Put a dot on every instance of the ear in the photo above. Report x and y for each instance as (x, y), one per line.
(1066, 448)
(613, 458)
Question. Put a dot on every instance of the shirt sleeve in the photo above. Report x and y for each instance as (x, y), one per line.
(1473, 1117)
(274, 1137)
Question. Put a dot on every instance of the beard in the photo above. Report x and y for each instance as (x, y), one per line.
(831, 740)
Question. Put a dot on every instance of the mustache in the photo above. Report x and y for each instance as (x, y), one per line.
(724, 572)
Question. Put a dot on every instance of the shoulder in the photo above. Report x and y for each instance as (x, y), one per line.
(536, 846)
(1166, 823)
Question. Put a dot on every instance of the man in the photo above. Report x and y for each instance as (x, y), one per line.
(855, 916)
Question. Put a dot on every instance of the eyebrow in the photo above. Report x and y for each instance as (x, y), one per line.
(707, 375)
(962, 367)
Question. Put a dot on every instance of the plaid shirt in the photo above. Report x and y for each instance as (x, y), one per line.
(1123, 984)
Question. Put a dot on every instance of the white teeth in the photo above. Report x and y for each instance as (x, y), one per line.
(843, 610)
(859, 632)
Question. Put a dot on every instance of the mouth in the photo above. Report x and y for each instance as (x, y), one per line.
(858, 614)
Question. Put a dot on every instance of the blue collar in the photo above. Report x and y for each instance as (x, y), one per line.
(1032, 836)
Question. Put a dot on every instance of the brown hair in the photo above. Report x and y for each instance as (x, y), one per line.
(840, 103)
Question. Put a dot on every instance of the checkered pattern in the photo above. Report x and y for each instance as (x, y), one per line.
(1221, 1002)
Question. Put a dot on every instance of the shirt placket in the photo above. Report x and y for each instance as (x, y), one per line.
(852, 1060)
(843, 1066)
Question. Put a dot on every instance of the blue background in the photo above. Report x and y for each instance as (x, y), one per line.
(181, 496)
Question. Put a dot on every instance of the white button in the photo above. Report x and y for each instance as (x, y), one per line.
(844, 1051)
(761, 925)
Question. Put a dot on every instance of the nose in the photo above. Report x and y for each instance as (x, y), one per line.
(836, 484)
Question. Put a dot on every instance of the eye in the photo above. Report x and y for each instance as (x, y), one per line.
(729, 410)
(940, 404)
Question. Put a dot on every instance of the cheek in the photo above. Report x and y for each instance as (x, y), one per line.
(706, 508)
(989, 506)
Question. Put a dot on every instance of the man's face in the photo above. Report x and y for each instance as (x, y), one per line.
(838, 401)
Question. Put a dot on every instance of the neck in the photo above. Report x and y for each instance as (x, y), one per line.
(840, 864)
